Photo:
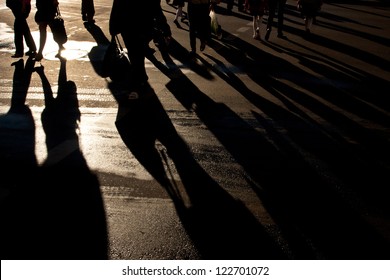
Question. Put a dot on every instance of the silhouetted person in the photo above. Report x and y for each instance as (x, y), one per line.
(199, 22)
(273, 6)
(46, 11)
(161, 34)
(309, 10)
(179, 12)
(136, 32)
(21, 10)
(87, 11)
(256, 8)
(220, 226)
(230, 4)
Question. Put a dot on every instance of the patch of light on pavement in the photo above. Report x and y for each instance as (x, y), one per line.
(6, 37)
(74, 50)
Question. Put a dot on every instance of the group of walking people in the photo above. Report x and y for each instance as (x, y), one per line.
(258, 8)
(46, 11)
(138, 31)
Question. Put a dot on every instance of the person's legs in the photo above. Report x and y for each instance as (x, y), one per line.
(87, 10)
(256, 26)
(136, 52)
(229, 5)
(18, 37)
(240, 5)
(179, 12)
(42, 40)
(204, 25)
(308, 23)
(28, 38)
(192, 18)
(281, 7)
(271, 15)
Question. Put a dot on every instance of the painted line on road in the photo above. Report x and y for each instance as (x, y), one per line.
(85, 94)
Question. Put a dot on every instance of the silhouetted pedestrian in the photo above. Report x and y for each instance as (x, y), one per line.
(21, 10)
(273, 6)
(256, 8)
(199, 20)
(309, 10)
(179, 11)
(230, 4)
(88, 11)
(136, 32)
(46, 11)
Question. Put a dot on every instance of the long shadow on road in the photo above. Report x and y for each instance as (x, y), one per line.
(53, 210)
(220, 226)
(306, 174)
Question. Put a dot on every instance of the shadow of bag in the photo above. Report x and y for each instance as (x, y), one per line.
(57, 27)
(116, 64)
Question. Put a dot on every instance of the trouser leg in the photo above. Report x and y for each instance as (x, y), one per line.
(27, 36)
(18, 35)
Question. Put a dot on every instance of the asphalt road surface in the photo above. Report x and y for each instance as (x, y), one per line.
(256, 149)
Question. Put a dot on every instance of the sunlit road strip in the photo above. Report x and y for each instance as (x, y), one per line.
(36, 93)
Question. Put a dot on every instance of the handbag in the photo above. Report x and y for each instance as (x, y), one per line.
(214, 25)
(116, 64)
(57, 27)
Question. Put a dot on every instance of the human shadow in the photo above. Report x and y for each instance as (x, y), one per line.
(220, 226)
(334, 22)
(96, 55)
(283, 177)
(19, 141)
(271, 173)
(312, 229)
(18, 165)
(366, 87)
(174, 49)
(58, 212)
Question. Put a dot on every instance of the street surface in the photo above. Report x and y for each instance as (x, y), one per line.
(254, 150)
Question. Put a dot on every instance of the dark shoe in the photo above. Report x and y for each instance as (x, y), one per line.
(307, 33)
(256, 36)
(38, 57)
(202, 46)
(192, 54)
(266, 37)
(17, 55)
(282, 36)
(31, 52)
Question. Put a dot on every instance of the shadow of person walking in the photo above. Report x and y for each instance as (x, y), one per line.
(18, 164)
(64, 212)
(96, 55)
(220, 226)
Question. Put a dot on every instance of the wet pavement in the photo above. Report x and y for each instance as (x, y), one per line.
(255, 150)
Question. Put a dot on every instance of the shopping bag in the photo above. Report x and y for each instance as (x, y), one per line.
(116, 64)
(215, 27)
(57, 27)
